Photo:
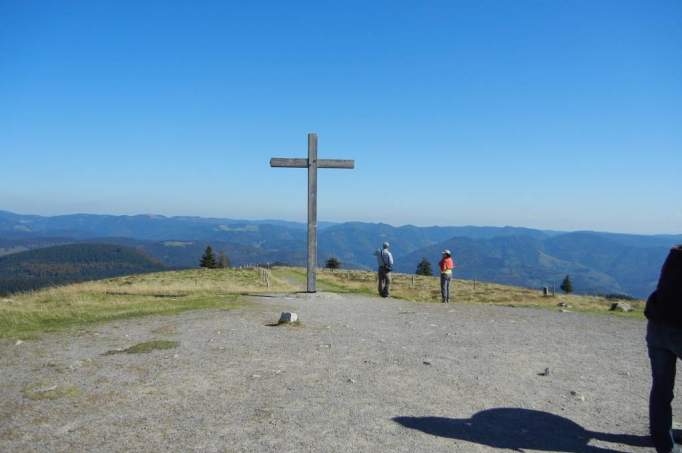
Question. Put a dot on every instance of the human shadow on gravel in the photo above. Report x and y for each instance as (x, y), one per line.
(520, 429)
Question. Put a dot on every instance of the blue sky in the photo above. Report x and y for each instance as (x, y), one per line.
(549, 114)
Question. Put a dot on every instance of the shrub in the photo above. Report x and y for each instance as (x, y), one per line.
(424, 268)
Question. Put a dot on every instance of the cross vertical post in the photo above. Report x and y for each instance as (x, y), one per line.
(312, 164)
(312, 213)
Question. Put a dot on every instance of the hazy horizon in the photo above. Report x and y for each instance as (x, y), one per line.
(551, 115)
(303, 221)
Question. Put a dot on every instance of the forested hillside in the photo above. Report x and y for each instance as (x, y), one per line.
(70, 263)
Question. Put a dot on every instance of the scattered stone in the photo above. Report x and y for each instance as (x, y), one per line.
(621, 306)
(45, 389)
(75, 365)
(18, 343)
(351, 381)
(255, 376)
(70, 427)
(544, 373)
(287, 317)
(427, 362)
(564, 311)
(577, 395)
(563, 304)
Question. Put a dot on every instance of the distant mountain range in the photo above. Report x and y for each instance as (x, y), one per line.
(597, 262)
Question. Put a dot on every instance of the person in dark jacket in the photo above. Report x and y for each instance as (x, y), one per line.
(664, 342)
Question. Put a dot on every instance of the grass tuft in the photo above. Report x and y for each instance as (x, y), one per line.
(41, 391)
(147, 346)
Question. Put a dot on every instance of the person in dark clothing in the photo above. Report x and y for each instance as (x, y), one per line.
(664, 342)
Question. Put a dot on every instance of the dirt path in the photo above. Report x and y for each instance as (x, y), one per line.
(360, 374)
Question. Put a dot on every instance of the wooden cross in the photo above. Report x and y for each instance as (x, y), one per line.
(312, 164)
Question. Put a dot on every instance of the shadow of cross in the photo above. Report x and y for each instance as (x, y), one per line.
(312, 164)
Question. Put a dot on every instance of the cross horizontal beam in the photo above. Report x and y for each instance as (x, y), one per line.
(303, 163)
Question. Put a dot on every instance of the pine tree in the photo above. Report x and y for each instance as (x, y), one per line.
(208, 259)
(223, 261)
(566, 285)
(333, 263)
(424, 267)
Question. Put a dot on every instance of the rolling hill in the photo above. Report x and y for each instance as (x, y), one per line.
(598, 262)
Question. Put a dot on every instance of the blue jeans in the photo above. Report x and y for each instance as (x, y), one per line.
(665, 347)
(445, 287)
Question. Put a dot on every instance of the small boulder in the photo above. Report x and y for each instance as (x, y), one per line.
(577, 395)
(621, 306)
(287, 317)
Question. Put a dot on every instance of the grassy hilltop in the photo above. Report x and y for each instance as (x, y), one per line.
(27, 314)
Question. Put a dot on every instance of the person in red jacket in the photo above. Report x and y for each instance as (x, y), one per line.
(446, 266)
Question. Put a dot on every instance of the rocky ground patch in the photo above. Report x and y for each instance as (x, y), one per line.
(356, 374)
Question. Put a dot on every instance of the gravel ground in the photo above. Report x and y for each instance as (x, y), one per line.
(359, 374)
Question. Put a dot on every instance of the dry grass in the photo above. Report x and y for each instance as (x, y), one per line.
(25, 315)
(427, 289)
